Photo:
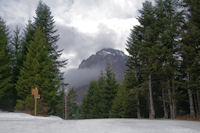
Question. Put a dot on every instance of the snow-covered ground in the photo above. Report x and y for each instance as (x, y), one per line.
(24, 123)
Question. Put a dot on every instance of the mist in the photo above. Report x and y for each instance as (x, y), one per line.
(80, 77)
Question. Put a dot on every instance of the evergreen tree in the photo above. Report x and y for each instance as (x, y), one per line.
(141, 45)
(27, 37)
(89, 102)
(169, 21)
(100, 97)
(71, 104)
(44, 20)
(84, 108)
(35, 73)
(110, 91)
(16, 58)
(7, 99)
(119, 105)
(60, 103)
(191, 55)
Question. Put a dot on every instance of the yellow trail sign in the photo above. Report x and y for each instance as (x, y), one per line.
(36, 96)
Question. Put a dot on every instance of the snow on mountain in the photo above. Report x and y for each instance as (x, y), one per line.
(90, 69)
(23, 123)
(116, 59)
(109, 51)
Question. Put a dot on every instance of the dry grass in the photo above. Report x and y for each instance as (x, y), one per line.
(187, 117)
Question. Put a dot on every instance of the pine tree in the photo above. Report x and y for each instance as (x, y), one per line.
(60, 103)
(84, 108)
(109, 91)
(169, 21)
(141, 45)
(7, 99)
(89, 102)
(71, 104)
(16, 57)
(27, 37)
(119, 105)
(35, 73)
(134, 63)
(190, 52)
(44, 20)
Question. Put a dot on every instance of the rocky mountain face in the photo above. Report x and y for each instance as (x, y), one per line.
(115, 58)
(90, 69)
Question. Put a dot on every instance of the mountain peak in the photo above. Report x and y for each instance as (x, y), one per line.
(115, 57)
(110, 51)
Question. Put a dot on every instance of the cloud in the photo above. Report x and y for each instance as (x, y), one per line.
(78, 46)
(85, 26)
(80, 77)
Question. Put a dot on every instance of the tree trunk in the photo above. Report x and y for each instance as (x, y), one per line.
(198, 101)
(192, 113)
(164, 105)
(138, 106)
(173, 99)
(196, 104)
(151, 106)
(170, 100)
(65, 97)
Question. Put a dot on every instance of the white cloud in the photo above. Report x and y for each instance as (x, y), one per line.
(85, 26)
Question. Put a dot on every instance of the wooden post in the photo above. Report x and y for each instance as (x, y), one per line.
(36, 96)
(65, 107)
(35, 106)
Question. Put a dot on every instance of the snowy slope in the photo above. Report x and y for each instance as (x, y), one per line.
(23, 123)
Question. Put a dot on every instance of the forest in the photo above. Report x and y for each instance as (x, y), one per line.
(162, 79)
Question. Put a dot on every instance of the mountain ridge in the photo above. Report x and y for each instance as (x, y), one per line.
(90, 69)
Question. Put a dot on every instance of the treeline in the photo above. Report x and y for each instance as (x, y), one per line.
(98, 101)
(30, 59)
(163, 76)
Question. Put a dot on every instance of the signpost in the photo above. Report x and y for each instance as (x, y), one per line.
(65, 106)
(36, 96)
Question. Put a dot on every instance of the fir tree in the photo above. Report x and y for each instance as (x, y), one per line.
(35, 73)
(71, 104)
(109, 91)
(169, 21)
(7, 98)
(190, 53)
(16, 57)
(27, 37)
(44, 20)
(119, 105)
(89, 105)
(141, 45)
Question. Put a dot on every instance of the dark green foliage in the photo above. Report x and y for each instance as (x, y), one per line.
(27, 37)
(42, 68)
(35, 73)
(110, 90)
(100, 97)
(71, 104)
(154, 49)
(119, 106)
(190, 52)
(44, 20)
(60, 102)
(142, 56)
(92, 105)
(7, 99)
(16, 58)
(33, 61)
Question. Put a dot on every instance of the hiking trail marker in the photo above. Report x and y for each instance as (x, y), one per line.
(36, 96)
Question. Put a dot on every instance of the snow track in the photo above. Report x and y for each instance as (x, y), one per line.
(24, 123)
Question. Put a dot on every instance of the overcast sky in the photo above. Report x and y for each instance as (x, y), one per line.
(85, 26)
